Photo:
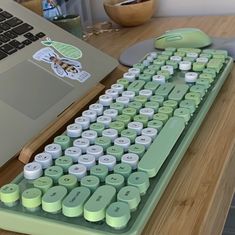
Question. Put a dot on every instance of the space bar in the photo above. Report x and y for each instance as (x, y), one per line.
(159, 150)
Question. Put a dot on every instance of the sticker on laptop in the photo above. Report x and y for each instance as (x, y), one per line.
(62, 66)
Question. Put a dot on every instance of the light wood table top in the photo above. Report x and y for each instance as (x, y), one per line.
(197, 198)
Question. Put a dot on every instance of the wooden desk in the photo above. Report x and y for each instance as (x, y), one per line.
(198, 197)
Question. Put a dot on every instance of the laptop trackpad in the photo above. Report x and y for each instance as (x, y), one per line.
(30, 89)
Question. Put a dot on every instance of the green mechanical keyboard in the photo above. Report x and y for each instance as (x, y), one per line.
(106, 173)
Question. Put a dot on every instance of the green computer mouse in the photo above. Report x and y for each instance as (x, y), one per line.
(183, 37)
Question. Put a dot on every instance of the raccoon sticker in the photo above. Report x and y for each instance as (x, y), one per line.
(66, 66)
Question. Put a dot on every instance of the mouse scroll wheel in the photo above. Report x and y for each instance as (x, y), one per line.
(173, 38)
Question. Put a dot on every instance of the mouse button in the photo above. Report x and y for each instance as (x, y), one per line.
(173, 38)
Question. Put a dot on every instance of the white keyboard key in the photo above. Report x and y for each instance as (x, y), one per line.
(123, 100)
(118, 87)
(113, 113)
(45, 159)
(105, 100)
(123, 142)
(185, 65)
(202, 60)
(168, 68)
(137, 126)
(176, 58)
(149, 112)
(136, 71)
(146, 92)
(98, 108)
(106, 120)
(191, 77)
(112, 93)
(78, 170)
(151, 132)
(73, 152)
(144, 140)
(150, 58)
(90, 135)
(129, 76)
(146, 63)
(33, 170)
(108, 160)
(159, 79)
(91, 114)
(83, 121)
(192, 55)
(54, 150)
(131, 159)
(87, 160)
(129, 94)
(95, 150)
(153, 54)
(110, 133)
(81, 143)
(74, 130)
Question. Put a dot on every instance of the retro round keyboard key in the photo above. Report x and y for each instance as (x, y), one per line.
(98, 108)
(78, 170)
(151, 132)
(87, 160)
(135, 71)
(183, 113)
(130, 134)
(68, 181)
(90, 135)
(105, 100)
(100, 171)
(143, 140)
(185, 65)
(191, 77)
(54, 172)
(156, 124)
(74, 130)
(123, 81)
(104, 142)
(131, 159)
(73, 204)
(129, 195)
(146, 92)
(95, 150)
(106, 120)
(95, 207)
(123, 169)
(129, 76)
(64, 162)
(110, 133)
(123, 100)
(149, 112)
(52, 199)
(115, 180)
(90, 181)
(123, 142)
(108, 160)
(142, 119)
(83, 121)
(129, 94)
(54, 150)
(98, 127)
(10, 194)
(118, 87)
(45, 159)
(129, 111)
(111, 92)
(91, 114)
(117, 125)
(118, 215)
(138, 149)
(63, 141)
(81, 143)
(116, 151)
(153, 105)
(124, 119)
(43, 183)
(33, 170)
(113, 113)
(31, 198)
(73, 152)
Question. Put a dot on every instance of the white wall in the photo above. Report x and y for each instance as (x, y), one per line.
(177, 8)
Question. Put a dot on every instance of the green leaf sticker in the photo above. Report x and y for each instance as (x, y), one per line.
(64, 49)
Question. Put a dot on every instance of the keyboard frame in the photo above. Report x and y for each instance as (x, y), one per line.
(21, 222)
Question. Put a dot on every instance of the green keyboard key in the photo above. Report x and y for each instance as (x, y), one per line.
(190, 59)
(72, 205)
(117, 125)
(203, 82)
(196, 97)
(189, 104)
(136, 86)
(115, 180)
(136, 105)
(157, 124)
(31, 198)
(63, 140)
(159, 62)
(91, 182)
(150, 72)
(164, 89)
(183, 113)
(146, 77)
(116, 151)
(141, 118)
(157, 98)
(139, 66)
(163, 57)
(95, 207)
(180, 53)
(138, 149)
(124, 82)
(154, 67)
(118, 106)
(161, 117)
(43, 183)
(206, 76)
(170, 103)
(124, 119)
(130, 134)
(198, 67)
(151, 86)
(199, 89)
(172, 49)
(123, 169)
(139, 180)
(167, 53)
(64, 162)
(52, 199)
(129, 195)
(98, 127)
(104, 142)
(10, 194)
(174, 64)
(178, 92)
(166, 110)
(159, 150)
(205, 55)
(101, 171)
(164, 73)
(68, 181)
(118, 215)
(152, 104)
(129, 111)
(54, 172)
(141, 98)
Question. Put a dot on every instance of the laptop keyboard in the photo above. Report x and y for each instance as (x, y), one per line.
(11, 28)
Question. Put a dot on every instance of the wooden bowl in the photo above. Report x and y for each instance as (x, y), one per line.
(129, 15)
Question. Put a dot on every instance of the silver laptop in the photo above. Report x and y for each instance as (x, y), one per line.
(43, 69)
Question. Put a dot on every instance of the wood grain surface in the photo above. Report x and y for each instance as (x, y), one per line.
(197, 198)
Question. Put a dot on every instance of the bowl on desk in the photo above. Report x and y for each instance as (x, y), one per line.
(131, 14)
